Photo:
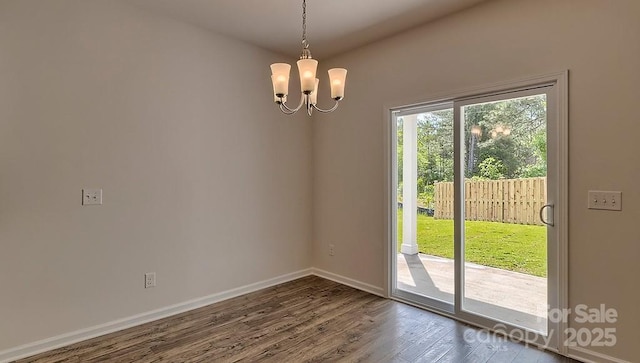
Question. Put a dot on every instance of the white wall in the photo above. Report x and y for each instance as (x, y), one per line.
(205, 182)
(494, 42)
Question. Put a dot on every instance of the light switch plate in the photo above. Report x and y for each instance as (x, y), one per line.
(605, 200)
(91, 196)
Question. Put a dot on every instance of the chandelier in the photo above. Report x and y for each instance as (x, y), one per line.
(307, 67)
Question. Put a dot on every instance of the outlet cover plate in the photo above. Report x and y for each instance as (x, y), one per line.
(91, 196)
(149, 280)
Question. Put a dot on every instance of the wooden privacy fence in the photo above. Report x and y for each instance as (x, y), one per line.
(507, 200)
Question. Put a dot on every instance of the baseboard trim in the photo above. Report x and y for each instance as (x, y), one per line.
(589, 356)
(349, 282)
(62, 340)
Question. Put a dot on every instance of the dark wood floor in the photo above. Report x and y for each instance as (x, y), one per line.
(307, 320)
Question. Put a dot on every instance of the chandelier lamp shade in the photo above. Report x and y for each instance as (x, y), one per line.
(307, 67)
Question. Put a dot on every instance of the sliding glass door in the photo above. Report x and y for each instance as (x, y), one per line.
(474, 182)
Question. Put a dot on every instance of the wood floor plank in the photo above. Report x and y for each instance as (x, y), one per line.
(307, 320)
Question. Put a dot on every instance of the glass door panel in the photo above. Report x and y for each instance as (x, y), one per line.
(424, 215)
(504, 241)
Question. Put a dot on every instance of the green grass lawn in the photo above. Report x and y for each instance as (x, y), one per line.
(512, 247)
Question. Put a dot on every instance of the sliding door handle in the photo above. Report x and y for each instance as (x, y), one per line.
(542, 214)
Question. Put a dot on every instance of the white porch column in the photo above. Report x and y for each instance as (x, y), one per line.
(409, 184)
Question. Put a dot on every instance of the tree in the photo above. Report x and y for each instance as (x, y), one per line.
(491, 168)
(522, 149)
(502, 149)
(539, 167)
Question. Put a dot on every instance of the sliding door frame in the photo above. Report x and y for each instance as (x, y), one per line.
(557, 107)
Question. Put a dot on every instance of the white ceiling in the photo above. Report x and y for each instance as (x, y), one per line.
(333, 26)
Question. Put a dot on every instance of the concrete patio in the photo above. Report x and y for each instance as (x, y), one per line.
(508, 296)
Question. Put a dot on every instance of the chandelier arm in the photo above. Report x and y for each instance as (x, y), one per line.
(329, 110)
(286, 109)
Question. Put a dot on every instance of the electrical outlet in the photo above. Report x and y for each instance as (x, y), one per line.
(149, 280)
(604, 200)
(332, 249)
(91, 196)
